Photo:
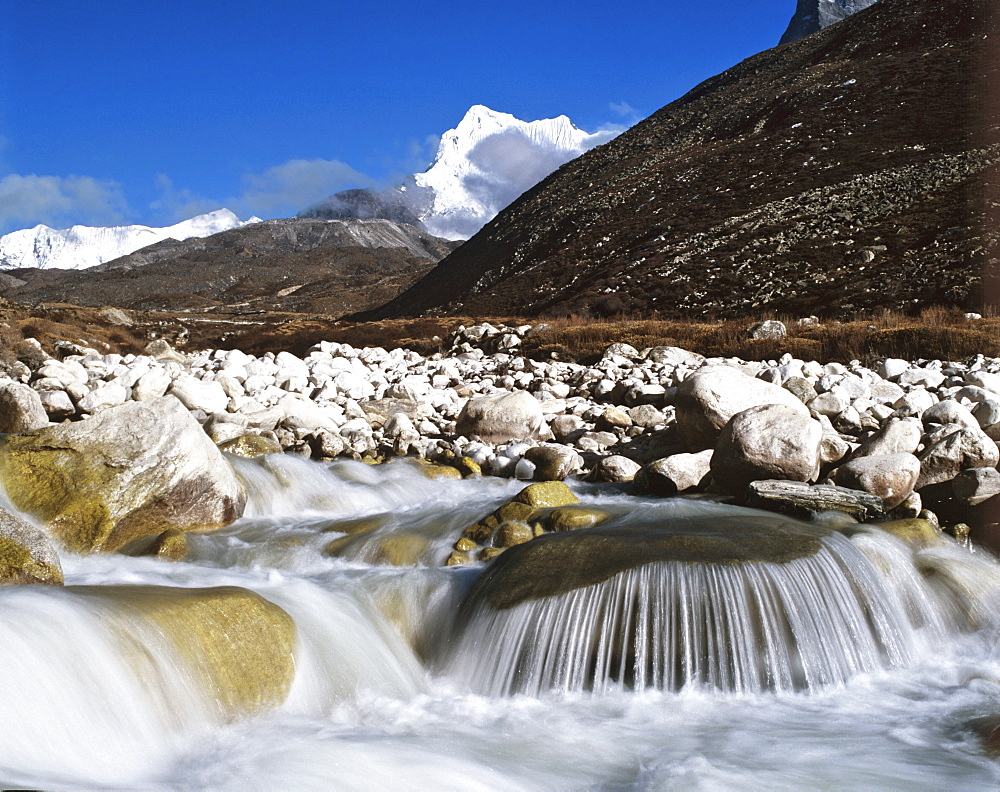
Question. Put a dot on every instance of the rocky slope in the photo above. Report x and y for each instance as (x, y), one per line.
(843, 172)
(312, 266)
(813, 15)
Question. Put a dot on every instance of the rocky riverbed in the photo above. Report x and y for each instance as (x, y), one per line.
(109, 450)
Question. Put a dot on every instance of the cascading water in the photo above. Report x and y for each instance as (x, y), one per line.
(875, 656)
(742, 628)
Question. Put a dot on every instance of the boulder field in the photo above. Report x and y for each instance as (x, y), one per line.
(107, 450)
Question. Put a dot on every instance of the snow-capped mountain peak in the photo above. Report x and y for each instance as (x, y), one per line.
(80, 246)
(481, 165)
(488, 160)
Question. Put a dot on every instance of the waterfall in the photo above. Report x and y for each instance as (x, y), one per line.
(742, 628)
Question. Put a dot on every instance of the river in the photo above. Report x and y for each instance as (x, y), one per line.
(383, 696)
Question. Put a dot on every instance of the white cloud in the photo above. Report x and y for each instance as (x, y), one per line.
(175, 204)
(623, 109)
(281, 191)
(59, 201)
(289, 188)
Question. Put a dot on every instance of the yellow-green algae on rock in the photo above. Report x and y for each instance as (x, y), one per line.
(129, 472)
(250, 446)
(236, 644)
(26, 553)
(915, 532)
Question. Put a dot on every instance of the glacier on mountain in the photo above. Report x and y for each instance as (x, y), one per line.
(80, 247)
(481, 166)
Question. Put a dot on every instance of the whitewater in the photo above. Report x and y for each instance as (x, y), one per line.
(391, 691)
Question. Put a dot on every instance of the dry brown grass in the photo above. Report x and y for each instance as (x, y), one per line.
(934, 333)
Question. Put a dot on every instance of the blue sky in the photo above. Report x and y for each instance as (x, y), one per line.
(124, 112)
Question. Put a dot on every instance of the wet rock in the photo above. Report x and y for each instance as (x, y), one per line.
(237, 646)
(574, 518)
(548, 494)
(560, 562)
(171, 545)
(798, 498)
(500, 419)
(250, 446)
(131, 471)
(766, 442)
(21, 408)
(891, 477)
(709, 398)
(915, 532)
(27, 555)
(512, 533)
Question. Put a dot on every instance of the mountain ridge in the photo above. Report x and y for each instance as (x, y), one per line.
(874, 124)
(79, 246)
(298, 265)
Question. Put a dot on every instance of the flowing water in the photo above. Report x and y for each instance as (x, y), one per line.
(861, 667)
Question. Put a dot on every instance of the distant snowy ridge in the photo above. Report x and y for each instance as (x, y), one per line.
(482, 165)
(80, 247)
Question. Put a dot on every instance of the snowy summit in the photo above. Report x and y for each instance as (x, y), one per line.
(80, 247)
(482, 165)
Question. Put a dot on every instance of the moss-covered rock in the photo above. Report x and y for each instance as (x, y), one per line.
(434, 471)
(915, 532)
(512, 533)
(27, 555)
(237, 645)
(171, 545)
(469, 468)
(250, 446)
(547, 494)
(560, 562)
(132, 471)
(574, 518)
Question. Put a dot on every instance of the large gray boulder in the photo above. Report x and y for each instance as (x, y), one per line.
(499, 419)
(675, 473)
(129, 472)
(770, 441)
(899, 436)
(21, 408)
(960, 450)
(710, 397)
(890, 476)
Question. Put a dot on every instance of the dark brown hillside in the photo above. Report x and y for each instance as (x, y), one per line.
(300, 265)
(839, 173)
